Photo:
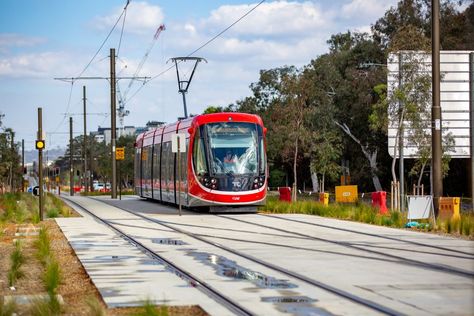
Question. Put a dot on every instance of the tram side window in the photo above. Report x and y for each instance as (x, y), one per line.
(262, 156)
(137, 166)
(156, 165)
(167, 166)
(199, 155)
(145, 160)
(164, 166)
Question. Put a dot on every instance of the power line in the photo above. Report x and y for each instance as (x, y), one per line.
(200, 47)
(105, 40)
(123, 26)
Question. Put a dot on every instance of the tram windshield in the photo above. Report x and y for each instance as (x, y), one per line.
(235, 148)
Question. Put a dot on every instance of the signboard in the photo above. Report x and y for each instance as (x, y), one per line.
(454, 99)
(346, 193)
(419, 207)
(120, 153)
(180, 139)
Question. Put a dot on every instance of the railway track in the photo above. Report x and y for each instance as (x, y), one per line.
(411, 242)
(396, 258)
(292, 274)
(191, 278)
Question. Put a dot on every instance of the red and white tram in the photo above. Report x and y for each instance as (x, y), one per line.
(223, 167)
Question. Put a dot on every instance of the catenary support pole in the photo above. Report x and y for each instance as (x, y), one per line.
(471, 121)
(23, 165)
(401, 161)
(84, 150)
(113, 117)
(71, 152)
(436, 108)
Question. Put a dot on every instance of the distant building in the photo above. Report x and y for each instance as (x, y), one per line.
(103, 134)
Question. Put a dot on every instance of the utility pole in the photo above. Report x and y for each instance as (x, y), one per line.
(436, 108)
(113, 80)
(113, 117)
(22, 165)
(84, 154)
(71, 169)
(401, 161)
(40, 163)
(471, 111)
(12, 145)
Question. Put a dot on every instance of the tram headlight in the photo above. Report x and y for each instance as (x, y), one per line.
(261, 181)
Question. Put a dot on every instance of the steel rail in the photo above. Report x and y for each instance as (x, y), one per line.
(354, 298)
(413, 262)
(199, 284)
(371, 235)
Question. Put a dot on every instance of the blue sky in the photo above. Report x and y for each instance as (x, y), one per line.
(41, 40)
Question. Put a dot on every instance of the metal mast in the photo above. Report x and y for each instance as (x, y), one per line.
(183, 84)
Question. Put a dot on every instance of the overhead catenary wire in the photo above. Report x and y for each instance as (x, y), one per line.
(123, 26)
(200, 47)
(90, 62)
(105, 41)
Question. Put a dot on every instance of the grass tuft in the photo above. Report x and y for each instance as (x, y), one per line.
(45, 307)
(43, 246)
(7, 309)
(17, 259)
(95, 308)
(52, 277)
(150, 309)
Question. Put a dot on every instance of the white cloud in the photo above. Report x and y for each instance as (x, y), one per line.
(9, 40)
(34, 65)
(278, 18)
(367, 9)
(141, 18)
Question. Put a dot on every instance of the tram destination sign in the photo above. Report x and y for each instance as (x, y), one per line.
(454, 68)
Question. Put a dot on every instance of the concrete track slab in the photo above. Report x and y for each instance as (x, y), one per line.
(123, 274)
(376, 269)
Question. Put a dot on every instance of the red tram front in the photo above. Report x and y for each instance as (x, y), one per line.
(223, 167)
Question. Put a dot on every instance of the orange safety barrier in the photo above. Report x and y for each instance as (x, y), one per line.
(379, 200)
(324, 198)
(285, 194)
(449, 207)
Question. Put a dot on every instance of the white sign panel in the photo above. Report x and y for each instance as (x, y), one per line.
(454, 97)
(178, 139)
(419, 207)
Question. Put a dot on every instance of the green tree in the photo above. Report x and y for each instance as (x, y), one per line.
(10, 171)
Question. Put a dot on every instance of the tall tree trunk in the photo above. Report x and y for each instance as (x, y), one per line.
(421, 173)
(397, 138)
(315, 182)
(294, 171)
(323, 179)
(371, 156)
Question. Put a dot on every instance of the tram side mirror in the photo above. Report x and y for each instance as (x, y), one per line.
(190, 130)
(265, 131)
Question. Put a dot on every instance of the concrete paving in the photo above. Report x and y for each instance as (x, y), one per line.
(126, 276)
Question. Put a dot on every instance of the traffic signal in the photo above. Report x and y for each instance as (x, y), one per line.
(40, 144)
(25, 170)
